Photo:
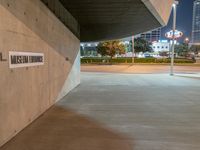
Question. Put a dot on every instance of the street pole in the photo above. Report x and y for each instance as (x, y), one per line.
(133, 50)
(173, 40)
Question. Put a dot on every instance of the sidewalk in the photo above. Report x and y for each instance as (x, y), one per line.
(119, 112)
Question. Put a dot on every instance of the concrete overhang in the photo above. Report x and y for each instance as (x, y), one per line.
(113, 19)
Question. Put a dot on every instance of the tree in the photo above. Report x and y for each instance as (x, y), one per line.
(182, 49)
(141, 45)
(195, 49)
(111, 48)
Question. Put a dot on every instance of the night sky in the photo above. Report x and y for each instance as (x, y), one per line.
(184, 19)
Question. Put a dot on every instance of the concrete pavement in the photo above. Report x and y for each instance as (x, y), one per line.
(120, 112)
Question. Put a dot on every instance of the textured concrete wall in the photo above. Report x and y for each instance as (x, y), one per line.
(25, 93)
(160, 9)
(73, 78)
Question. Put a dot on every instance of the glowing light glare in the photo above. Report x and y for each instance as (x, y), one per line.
(186, 39)
(126, 42)
(163, 41)
(175, 3)
(175, 42)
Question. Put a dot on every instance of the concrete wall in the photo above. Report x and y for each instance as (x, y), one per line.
(160, 9)
(25, 93)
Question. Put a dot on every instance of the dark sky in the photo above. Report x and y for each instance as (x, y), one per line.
(184, 19)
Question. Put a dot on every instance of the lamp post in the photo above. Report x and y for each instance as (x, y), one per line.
(173, 39)
(187, 40)
(133, 50)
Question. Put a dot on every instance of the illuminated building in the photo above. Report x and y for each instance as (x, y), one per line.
(196, 23)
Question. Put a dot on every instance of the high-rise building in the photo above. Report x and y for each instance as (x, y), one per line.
(196, 23)
(151, 36)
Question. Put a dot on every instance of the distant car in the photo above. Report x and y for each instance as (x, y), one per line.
(147, 56)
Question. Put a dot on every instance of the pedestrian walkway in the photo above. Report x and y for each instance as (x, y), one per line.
(120, 112)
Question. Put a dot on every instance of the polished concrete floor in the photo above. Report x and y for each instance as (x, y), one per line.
(120, 112)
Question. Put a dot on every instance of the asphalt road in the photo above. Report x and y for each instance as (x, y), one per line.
(140, 69)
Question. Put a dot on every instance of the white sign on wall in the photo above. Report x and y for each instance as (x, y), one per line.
(25, 59)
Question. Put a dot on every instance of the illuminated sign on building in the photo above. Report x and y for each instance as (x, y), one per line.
(177, 34)
(25, 59)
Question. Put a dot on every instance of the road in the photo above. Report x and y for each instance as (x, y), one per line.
(140, 69)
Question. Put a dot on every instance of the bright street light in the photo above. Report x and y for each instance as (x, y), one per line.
(187, 40)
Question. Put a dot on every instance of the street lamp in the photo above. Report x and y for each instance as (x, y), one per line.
(133, 50)
(187, 40)
(173, 39)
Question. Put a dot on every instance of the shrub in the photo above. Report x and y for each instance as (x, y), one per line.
(124, 60)
(145, 60)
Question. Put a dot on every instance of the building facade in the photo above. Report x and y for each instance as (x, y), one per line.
(196, 23)
(151, 36)
(161, 46)
(89, 49)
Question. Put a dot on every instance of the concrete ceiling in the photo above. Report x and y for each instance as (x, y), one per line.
(111, 19)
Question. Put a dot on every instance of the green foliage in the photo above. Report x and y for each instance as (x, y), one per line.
(145, 60)
(141, 45)
(181, 49)
(111, 48)
(123, 60)
(102, 60)
(195, 49)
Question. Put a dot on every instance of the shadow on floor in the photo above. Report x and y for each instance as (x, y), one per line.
(62, 129)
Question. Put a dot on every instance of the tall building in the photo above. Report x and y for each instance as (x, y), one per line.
(151, 36)
(196, 23)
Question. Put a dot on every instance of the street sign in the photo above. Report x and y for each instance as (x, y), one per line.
(177, 34)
